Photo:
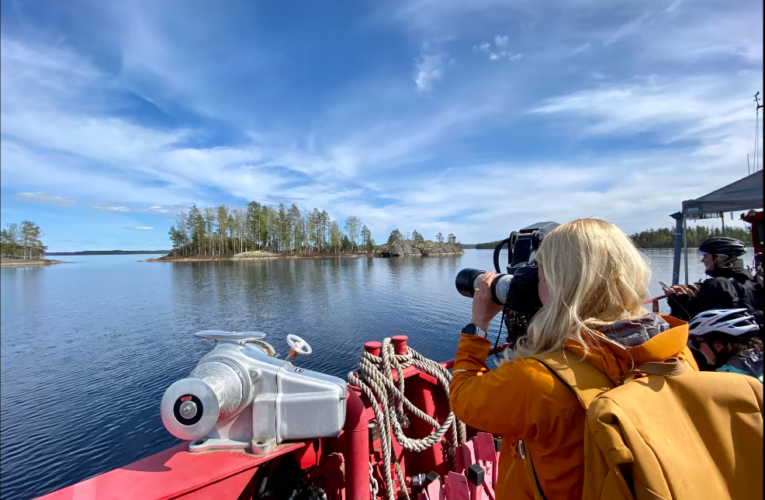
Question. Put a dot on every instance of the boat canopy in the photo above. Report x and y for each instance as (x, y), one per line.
(744, 194)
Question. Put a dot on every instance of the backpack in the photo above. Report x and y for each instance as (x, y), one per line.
(665, 433)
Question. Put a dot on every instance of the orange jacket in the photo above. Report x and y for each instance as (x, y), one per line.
(523, 400)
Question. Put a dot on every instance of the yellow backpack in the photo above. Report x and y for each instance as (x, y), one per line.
(666, 433)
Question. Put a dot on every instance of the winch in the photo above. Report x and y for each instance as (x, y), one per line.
(241, 395)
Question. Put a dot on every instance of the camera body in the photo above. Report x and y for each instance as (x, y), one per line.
(242, 396)
(516, 288)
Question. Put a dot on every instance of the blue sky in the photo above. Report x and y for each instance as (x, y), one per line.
(473, 117)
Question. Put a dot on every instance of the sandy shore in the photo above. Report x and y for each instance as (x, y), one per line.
(28, 263)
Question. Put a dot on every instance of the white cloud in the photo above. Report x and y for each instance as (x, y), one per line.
(483, 47)
(429, 69)
(112, 209)
(500, 52)
(495, 56)
(47, 199)
(138, 228)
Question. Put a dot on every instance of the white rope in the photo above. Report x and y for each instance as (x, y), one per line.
(375, 379)
(373, 487)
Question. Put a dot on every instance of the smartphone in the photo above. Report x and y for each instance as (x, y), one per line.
(664, 285)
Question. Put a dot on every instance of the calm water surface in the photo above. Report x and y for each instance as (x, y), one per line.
(89, 347)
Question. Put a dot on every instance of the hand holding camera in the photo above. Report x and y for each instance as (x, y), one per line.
(484, 308)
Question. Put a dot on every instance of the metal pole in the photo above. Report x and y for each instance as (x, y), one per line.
(685, 244)
(678, 247)
(722, 218)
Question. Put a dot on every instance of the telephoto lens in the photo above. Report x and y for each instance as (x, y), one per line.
(467, 280)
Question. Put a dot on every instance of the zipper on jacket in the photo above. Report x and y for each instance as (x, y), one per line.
(522, 452)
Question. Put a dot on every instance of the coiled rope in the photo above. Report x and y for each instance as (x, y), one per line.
(375, 379)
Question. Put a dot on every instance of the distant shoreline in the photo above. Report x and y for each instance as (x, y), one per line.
(29, 263)
(258, 257)
(112, 252)
(287, 256)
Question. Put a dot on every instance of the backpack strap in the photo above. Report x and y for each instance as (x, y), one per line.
(672, 367)
(581, 377)
(586, 383)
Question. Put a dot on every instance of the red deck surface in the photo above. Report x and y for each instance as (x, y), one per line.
(175, 473)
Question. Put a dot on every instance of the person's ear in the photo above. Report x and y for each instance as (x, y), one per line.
(718, 346)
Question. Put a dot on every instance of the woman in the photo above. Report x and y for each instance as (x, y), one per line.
(728, 340)
(592, 281)
(729, 286)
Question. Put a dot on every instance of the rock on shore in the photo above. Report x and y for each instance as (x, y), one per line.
(404, 248)
(9, 262)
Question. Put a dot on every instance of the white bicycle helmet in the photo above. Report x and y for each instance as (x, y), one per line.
(733, 322)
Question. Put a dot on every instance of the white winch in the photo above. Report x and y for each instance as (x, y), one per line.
(241, 395)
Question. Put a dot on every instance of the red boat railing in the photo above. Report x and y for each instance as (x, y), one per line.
(655, 303)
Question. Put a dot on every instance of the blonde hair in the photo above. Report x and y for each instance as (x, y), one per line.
(595, 277)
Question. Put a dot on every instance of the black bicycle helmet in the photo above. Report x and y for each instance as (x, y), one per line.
(723, 246)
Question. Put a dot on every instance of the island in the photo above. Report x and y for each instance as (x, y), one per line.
(424, 248)
(262, 231)
(21, 246)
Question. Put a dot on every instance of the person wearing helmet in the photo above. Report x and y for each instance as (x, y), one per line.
(727, 339)
(730, 286)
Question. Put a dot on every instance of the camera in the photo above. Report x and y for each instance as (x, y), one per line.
(517, 288)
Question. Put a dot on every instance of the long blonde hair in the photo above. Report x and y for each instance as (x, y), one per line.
(595, 276)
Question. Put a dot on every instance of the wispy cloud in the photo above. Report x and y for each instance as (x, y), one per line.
(627, 29)
(112, 209)
(674, 5)
(171, 209)
(47, 199)
(429, 68)
(681, 108)
(138, 228)
(580, 49)
(501, 41)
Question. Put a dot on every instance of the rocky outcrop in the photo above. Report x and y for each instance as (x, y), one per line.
(404, 248)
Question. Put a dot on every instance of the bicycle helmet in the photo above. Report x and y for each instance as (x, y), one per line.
(733, 322)
(723, 246)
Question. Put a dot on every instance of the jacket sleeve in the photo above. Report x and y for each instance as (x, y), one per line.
(714, 293)
(496, 401)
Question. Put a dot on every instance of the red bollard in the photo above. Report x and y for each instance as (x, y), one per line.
(399, 344)
(373, 347)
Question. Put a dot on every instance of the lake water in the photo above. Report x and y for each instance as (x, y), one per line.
(89, 347)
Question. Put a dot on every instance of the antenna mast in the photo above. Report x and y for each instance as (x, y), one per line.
(756, 129)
